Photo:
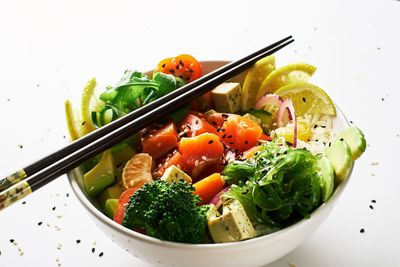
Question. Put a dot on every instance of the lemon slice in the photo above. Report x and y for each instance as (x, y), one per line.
(298, 72)
(137, 171)
(74, 123)
(253, 80)
(307, 99)
(87, 103)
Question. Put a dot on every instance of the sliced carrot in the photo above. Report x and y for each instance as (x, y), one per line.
(161, 142)
(207, 188)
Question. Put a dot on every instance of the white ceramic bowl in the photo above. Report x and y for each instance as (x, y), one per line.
(254, 252)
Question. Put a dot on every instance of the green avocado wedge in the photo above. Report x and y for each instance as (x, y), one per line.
(339, 154)
(101, 176)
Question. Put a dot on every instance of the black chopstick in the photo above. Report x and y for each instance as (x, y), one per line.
(58, 163)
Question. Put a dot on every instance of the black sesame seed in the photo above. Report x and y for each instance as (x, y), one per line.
(223, 136)
(181, 63)
(177, 67)
(231, 143)
(210, 142)
(304, 99)
(362, 230)
(101, 254)
(40, 223)
(24, 202)
(351, 122)
(341, 139)
(373, 201)
(371, 207)
(246, 142)
(382, 99)
(196, 121)
(78, 241)
(83, 123)
(229, 136)
(67, 194)
(163, 65)
(12, 240)
(54, 208)
(214, 123)
(172, 70)
(93, 250)
(315, 126)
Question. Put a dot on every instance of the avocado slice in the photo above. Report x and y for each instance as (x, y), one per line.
(110, 193)
(265, 119)
(110, 207)
(327, 177)
(354, 137)
(121, 152)
(101, 175)
(339, 154)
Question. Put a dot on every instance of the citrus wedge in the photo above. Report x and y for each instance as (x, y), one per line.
(307, 99)
(298, 72)
(253, 80)
(74, 123)
(87, 102)
(137, 171)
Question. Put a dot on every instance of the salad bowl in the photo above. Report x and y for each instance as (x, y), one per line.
(254, 252)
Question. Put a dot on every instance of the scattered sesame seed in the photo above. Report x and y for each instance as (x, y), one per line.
(54, 208)
(23, 202)
(210, 142)
(101, 254)
(341, 139)
(83, 123)
(230, 136)
(304, 99)
(93, 250)
(12, 240)
(362, 230)
(40, 223)
(373, 201)
(21, 146)
(382, 99)
(78, 241)
(371, 207)
(351, 122)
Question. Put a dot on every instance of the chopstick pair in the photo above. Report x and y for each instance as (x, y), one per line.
(32, 177)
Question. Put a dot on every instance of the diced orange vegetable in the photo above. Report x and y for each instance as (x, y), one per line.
(161, 142)
(250, 152)
(207, 188)
(265, 137)
(239, 133)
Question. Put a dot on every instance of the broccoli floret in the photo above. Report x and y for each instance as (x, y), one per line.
(167, 211)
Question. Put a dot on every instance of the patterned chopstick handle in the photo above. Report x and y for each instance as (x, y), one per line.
(14, 193)
(12, 179)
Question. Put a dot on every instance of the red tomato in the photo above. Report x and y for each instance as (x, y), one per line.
(183, 66)
(158, 143)
(239, 133)
(123, 201)
(200, 151)
(195, 125)
(172, 159)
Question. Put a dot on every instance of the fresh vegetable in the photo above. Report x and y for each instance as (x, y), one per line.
(327, 177)
(160, 142)
(278, 186)
(168, 211)
(174, 159)
(123, 201)
(101, 176)
(355, 139)
(208, 187)
(111, 207)
(174, 174)
(286, 113)
(184, 66)
(339, 154)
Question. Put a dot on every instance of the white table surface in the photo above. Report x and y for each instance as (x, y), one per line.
(49, 49)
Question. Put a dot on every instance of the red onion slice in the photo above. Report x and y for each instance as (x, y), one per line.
(285, 114)
(217, 198)
(269, 99)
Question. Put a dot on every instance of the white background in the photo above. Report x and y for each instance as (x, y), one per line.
(49, 49)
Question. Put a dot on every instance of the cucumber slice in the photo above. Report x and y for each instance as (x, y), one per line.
(327, 177)
(354, 137)
(265, 118)
(339, 154)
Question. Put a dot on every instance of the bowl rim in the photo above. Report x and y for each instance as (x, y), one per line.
(157, 242)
